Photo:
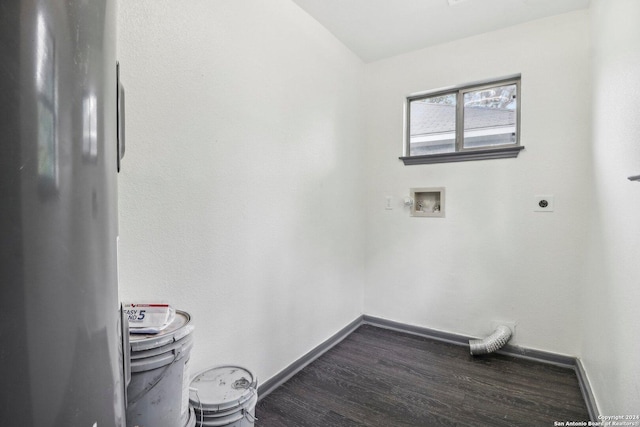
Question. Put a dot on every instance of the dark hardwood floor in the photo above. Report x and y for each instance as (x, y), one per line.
(377, 377)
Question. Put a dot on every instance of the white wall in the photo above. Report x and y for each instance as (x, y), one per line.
(492, 257)
(239, 197)
(611, 350)
(245, 199)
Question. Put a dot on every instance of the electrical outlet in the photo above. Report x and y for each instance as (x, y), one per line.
(543, 203)
(388, 203)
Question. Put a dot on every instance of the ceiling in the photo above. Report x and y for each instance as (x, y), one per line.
(377, 29)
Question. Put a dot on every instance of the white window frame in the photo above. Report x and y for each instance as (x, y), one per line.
(461, 153)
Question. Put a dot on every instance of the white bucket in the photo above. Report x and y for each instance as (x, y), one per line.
(192, 417)
(224, 396)
(158, 394)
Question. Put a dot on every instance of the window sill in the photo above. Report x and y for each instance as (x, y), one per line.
(464, 156)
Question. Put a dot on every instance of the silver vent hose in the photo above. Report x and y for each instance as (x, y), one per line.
(493, 342)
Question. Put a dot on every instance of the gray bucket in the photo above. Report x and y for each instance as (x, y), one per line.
(158, 394)
(224, 396)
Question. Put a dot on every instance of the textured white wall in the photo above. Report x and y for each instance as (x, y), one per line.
(240, 192)
(611, 350)
(241, 197)
(492, 257)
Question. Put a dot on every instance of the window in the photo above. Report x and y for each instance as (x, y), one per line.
(471, 122)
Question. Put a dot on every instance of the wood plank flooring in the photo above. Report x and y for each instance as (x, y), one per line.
(377, 377)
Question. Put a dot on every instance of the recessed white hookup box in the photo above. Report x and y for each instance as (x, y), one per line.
(427, 201)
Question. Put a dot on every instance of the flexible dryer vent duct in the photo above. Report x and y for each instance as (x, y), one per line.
(493, 342)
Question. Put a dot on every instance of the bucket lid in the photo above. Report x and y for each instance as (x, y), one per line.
(205, 415)
(155, 358)
(177, 329)
(221, 388)
(172, 347)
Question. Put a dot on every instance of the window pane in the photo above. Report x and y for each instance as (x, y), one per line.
(433, 125)
(490, 116)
